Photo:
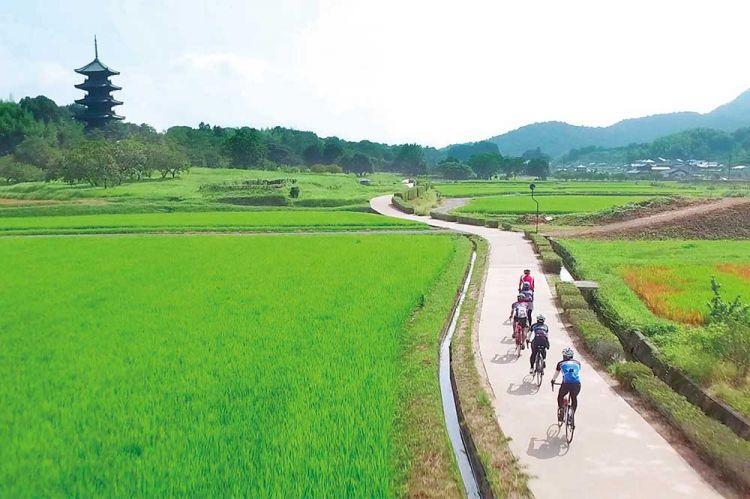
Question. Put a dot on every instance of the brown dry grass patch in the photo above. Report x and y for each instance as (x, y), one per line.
(741, 271)
(654, 286)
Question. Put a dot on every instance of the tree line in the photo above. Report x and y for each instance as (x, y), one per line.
(40, 140)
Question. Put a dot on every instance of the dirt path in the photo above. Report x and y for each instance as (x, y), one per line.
(616, 453)
(448, 204)
(660, 218)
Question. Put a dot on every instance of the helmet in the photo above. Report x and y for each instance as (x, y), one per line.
(525, 286)
(567, 353)
(526, 271)
(540, 318)
(521, 296)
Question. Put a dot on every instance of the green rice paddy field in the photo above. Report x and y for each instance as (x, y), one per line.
(548, 204)
(663, 287)
(205, 221)
(218, 366)
(187, 187)
(644, 188)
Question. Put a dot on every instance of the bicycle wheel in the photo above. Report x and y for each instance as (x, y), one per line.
(569, 427)
(538, 371)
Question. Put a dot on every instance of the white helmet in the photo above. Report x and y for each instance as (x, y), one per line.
(567, 353)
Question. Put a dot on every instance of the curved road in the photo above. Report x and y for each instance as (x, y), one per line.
(615, 453)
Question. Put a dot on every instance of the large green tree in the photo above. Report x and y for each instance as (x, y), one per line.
(410, 160)
(245, 148)
(485, 165)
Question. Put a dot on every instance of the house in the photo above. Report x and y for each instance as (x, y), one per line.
(677, 173)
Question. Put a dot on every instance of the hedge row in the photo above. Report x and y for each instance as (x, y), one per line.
(399, 203)
(412, 192)
(714, 441)
(601, 343)
(551, 263)
(446, 217)
(462, 219)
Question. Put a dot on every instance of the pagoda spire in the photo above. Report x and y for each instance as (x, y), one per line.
(98, 99)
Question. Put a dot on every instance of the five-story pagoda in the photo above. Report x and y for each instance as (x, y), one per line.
(98, 101)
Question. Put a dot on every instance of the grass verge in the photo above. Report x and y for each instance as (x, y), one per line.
(428, 466)
(716, 443)
(504, 474)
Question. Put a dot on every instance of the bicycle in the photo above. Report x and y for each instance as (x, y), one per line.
(567, 416)
(519, 334)
(539, 366)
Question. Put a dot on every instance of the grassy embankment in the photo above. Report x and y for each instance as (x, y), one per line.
(662, 288)
(201, 189)
(168, 366)
(223, 221)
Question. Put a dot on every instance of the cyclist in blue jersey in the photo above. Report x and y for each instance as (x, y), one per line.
(539, 341)
(571, 381)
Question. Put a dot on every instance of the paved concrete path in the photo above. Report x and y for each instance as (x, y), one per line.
(615, 453)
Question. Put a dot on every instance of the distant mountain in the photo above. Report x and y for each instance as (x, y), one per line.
(556, 138)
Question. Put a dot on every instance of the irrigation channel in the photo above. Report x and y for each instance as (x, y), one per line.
(616, 453)
(449, 401)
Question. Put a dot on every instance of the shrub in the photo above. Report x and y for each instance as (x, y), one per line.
(494, 224)
(506, 226)
(722, 311)
(567, 288)
(627, 372)
(469, 220)
(447, 217)
(326, 169)
(570, 302)
(552, 264)
(271, 200)
(402, 206)
(714, 441)
(294, 192)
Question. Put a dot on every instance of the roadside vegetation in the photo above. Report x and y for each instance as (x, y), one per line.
(128, 374)
(664, 289)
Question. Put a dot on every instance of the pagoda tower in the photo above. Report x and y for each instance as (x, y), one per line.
(98, 101)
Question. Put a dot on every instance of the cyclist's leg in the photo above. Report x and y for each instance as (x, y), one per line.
(544, 356)
(564, 389)
(533, 356)
(574, 391)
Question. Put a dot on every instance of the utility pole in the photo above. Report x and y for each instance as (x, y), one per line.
(532, 187)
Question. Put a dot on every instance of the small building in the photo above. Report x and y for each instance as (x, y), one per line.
(364, 181)
(678, 173)
(98, 100)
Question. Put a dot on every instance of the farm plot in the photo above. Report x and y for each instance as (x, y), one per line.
(644, 188)
(548, 204)
(219, 366)
(663, 288)
(270, 221)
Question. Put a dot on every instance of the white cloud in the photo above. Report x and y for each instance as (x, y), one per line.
(430, 71)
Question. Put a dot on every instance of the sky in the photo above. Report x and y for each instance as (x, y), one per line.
(427, 71)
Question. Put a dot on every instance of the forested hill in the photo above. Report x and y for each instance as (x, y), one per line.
(556, 138)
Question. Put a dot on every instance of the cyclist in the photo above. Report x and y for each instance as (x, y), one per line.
(529, 294)
(539, 338)
(519, 313)
(526, 277)
(571, 381)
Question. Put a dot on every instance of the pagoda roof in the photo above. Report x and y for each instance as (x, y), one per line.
(96, 66)
(100, 100)
(89, 84)
(99, 116)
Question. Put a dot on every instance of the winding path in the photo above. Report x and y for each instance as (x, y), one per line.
(616, 453)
